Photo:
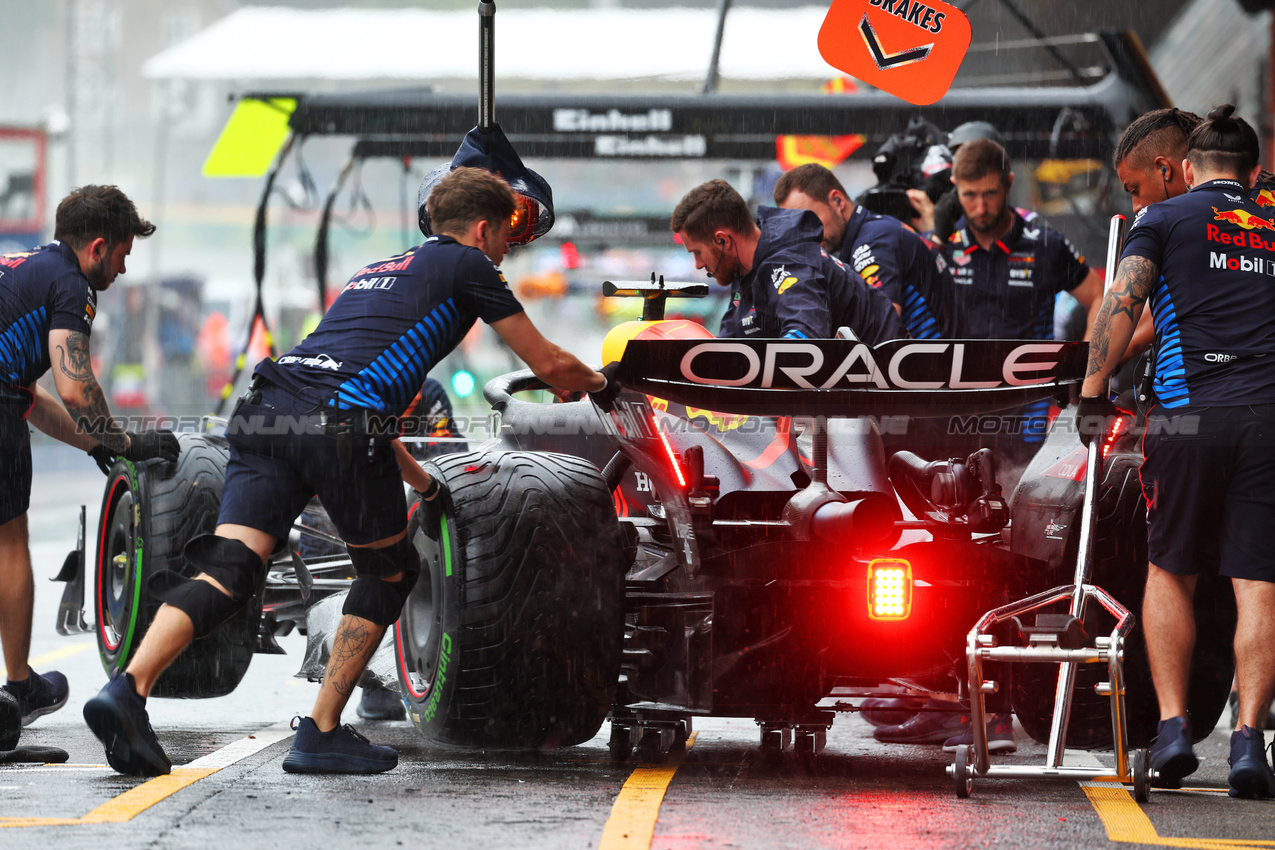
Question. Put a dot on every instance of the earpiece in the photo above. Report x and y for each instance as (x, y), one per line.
(721, 241)
(1164, 171)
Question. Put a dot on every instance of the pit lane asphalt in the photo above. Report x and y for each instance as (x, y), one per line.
(723, 794)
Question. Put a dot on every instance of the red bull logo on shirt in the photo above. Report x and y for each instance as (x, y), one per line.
(1243, 218)
(1265, 198)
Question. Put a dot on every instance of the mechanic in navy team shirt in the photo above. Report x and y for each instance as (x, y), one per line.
(1006, 273)
(1205, 261)
(343, 388)
(48, 300)
(783, 284)
(886, 253)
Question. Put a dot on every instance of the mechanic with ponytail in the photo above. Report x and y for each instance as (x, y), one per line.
(1206, 264)
(324, 420)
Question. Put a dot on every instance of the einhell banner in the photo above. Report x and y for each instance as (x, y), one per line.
(909, 48)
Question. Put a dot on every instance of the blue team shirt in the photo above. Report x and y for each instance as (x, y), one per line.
(796, 290)
(1007, 291)
(1214, 304)
(393, 321)
(40, 291)
(892, 258)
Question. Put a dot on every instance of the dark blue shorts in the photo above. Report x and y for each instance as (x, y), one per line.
(1209, 480)
(15, 462)
(279, 459)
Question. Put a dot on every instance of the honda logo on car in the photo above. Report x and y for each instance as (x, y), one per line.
(804, 365)
(1219, 260)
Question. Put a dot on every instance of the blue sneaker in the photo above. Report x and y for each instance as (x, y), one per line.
(1250, 775)
(39, 695)
(927, 727)
(1171, 752)
(1000, 736)
(879, 711)
(340, 751)
(381, 704)
(117, 716)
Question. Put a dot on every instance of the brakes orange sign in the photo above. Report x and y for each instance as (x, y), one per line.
(909, 48)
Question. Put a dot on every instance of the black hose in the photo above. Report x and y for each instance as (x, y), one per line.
(614, 471)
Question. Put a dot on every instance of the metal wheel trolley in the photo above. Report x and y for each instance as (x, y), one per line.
(1061, 639)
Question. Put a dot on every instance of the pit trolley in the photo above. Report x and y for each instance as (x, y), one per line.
(1061, 639)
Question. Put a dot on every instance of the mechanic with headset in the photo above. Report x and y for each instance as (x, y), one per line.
(343, 388)
(48, 300)
(886, 253)
(1209, 456)
(783, 284)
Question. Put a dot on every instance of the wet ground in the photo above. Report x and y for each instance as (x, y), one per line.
(228, 790)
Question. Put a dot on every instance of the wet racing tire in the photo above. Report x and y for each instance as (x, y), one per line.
(1120, 567)
(149, 511)
(512, 635)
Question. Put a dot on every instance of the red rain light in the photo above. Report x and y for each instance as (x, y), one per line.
(889, 589)
(672, 456)
(1116, 427)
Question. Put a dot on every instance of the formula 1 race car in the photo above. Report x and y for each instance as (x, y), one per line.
(729, 539)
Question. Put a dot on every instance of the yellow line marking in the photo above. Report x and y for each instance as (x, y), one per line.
(1126, 823)
(57, 654)
(140, 798)
(633, 816)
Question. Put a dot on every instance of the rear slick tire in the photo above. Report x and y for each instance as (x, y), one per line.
(512, 635)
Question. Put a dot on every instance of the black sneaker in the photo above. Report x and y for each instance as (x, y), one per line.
(1171, 752)
(381, 704)
(39, 695)
(340, 751)
(117, 716)
(1000, 736)
(926, 727)
(1251, 774)
(890, 712)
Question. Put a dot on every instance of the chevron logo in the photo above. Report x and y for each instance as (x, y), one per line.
(890, 60)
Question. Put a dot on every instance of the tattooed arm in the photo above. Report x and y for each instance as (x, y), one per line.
(51, 418)
(1116, 320)
(80, 391)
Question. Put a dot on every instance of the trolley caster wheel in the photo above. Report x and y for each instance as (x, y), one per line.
(653, 746)
(1141, 760)
(961, 772)
(620, 744)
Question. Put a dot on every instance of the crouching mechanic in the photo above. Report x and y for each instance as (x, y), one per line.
(886, 253)
(48, 300)
(1209, 456)
(365, 360)
(783, 283)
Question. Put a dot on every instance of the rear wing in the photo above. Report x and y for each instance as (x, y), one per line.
(769, 377)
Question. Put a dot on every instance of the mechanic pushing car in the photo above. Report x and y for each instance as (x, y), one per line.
(783, 283)
(1006, 272)
(887, 254)
(345, 384)
(1200, 259)
(48, 300)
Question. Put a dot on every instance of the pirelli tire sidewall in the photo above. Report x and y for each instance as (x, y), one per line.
(149, 511)
(512, 636)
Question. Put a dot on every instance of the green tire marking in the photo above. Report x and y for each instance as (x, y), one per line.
(447, 545)
(127, 643)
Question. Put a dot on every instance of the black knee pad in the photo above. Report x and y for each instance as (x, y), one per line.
(230, 562)
(371, 596)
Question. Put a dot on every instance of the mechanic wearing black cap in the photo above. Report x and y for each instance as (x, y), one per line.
(1006, 272)
(783, 284)
(321, 420)
(48, 300)
(887, 254)
(1204, 261)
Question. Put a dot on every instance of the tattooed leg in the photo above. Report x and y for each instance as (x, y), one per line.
(356, 640)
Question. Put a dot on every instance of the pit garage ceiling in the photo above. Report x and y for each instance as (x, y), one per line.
(267, 43)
